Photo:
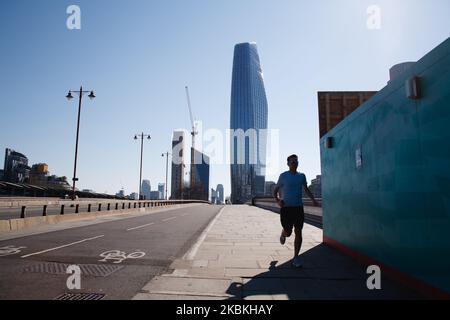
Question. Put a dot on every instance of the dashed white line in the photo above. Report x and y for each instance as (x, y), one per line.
(169, 218)
(142, 226)
(60, 247)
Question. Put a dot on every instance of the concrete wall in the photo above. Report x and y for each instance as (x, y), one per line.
(395, 208)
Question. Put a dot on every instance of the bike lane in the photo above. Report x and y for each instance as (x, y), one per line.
(136, 249)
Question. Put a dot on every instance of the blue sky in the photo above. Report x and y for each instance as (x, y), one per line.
(138, 56)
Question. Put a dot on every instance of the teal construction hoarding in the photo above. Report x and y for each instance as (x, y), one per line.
(386, 175)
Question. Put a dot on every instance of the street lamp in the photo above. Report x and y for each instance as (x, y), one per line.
(167, 167)
(141, 136)
(69, 97)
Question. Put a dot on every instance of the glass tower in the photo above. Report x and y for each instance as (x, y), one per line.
(248, 124)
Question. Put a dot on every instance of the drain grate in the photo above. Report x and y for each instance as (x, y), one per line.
(95, 270)
(80, 296)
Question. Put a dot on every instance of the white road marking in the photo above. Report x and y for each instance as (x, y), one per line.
(60, 247)
(142, 226)
(9, 250)
(169, 218)
(118, 256)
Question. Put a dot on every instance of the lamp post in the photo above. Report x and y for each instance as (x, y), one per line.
(167, 168)
(70, 97)
(141, 136)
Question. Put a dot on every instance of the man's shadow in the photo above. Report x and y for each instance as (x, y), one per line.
(326, 274)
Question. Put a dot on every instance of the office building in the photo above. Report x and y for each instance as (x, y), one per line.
(248, 123)
(177, 177)
(146, 189)
(15, 168)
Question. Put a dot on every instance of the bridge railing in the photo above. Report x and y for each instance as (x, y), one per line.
(19, 209)
(313, 215)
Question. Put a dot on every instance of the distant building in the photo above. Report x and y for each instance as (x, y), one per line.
(121, 193)
(269, 188)
(39, 176)
(155, 195)
(146, 189)
(213, 196)
(334, 106)
(134, 196)
(316, 187)
(15, 168)
(200, 190)
(161, 189)
(177, 178)
(220, 194)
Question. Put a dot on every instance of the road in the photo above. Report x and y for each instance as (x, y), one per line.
(147, 245)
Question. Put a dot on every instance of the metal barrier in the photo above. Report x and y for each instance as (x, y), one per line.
(313, 215)
(110, 205)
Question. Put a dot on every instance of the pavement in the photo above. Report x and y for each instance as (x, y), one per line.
(238, 256)
(117, 255)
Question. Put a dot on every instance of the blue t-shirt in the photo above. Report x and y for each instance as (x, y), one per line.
(291, 185)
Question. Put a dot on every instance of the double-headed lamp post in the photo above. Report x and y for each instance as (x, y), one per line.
(70, 97)
(141, 136)
(167, 167)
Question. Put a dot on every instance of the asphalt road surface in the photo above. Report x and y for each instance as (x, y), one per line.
(117, 258)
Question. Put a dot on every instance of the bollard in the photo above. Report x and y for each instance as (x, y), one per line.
(139, 204)
(99, 207)
(109, 206)
(22, 213)
(135, 205)
(123, 206)
(89, 207)
(129, 205)
(44, 211)
(117, 206)
(77, 208)
(62, 209)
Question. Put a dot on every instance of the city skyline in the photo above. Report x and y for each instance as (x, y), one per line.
(145, 90)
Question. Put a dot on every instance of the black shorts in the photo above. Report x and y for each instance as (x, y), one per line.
(292, 216)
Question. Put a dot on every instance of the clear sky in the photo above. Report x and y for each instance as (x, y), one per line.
(138, 56)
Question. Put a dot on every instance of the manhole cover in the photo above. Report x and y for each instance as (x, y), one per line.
(80, 296)
(95, 270)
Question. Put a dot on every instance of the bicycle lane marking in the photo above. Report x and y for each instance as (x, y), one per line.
(63, 246)
(118, 256)
(10, 250)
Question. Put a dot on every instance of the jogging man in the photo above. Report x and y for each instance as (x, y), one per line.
(289, 186)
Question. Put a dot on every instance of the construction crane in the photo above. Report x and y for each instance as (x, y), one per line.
(193, 134)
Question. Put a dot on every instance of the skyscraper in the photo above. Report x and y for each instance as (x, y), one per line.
(248, 121)
(146, 189)
(161, 187)
(177, 179)
(200, 190)
(220, 195)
